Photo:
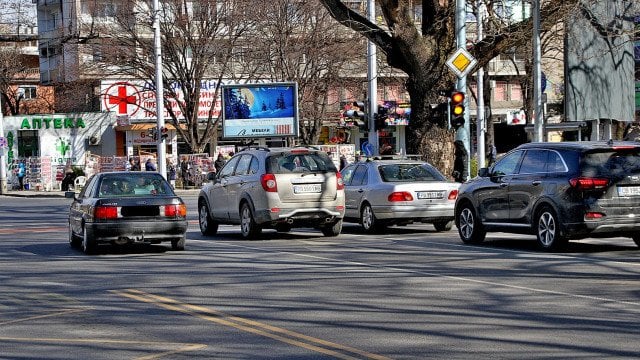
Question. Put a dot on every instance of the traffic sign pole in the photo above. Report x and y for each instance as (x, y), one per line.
(461, 38)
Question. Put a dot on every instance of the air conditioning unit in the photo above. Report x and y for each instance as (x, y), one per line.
(94, 140)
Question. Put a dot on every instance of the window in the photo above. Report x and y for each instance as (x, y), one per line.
(555, 163)
(29, 92)
(534, 162)
(507, 165)
(360, 176)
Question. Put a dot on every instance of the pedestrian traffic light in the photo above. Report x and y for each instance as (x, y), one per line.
(381, 118)
(164, 133)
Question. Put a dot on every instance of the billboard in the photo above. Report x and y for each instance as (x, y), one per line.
(259, 110)
(397, 113)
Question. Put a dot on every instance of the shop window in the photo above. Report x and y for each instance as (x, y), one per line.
(28, 143)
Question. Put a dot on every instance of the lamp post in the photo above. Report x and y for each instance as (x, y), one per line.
(3, 161)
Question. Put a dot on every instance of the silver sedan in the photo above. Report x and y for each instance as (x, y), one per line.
(380, 193)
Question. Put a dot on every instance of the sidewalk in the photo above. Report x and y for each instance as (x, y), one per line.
(44, 194)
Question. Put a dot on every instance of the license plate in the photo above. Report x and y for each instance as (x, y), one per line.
(628, 190)
(430, 194)
(307, 188)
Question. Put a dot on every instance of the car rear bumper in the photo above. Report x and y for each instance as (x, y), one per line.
(138, 231)
(419, 213)
(311, 214)
(612, 226)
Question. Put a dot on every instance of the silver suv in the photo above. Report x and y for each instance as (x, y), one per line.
(274, 188)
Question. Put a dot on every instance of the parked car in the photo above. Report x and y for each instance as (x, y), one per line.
(380, 193)
(274, 188)
(125, 207)
(556, 191)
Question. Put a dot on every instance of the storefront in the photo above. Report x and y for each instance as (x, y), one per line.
(48, 142)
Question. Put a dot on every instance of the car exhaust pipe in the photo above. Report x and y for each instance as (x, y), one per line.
(328, 220)
(289, 221)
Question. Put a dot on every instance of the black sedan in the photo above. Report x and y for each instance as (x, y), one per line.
(121, 208)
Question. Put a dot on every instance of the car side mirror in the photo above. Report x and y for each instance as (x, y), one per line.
(483, 172)
(70, 195)
(211, 176)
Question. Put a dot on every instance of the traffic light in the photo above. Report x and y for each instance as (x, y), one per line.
(354, 112)
(164, 133)
(380, 118)
(456, 107)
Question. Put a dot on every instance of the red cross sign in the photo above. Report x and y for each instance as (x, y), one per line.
(117, 96)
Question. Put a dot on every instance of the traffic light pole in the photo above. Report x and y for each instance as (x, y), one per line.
(161, 148)
(461, 38)
(372, 69)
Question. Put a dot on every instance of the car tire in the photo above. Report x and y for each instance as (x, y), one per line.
(469, 226)
(178, 244)
(332, 229)
(89, 245)
(74, 241)
(443, 225)
(207, 225)
(248, 226)
(369, 221)
(547, 229)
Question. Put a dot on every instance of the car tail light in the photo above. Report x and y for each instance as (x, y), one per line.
(586, 183)
(179, 210)
(593, 216)
(105, 212)
(340, 182)
(269, 183)
(400, 196)
(453, 195)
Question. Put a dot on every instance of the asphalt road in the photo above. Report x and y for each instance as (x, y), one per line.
(411, 293)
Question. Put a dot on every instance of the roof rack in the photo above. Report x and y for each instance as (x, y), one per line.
(395, 157)
(257, 147)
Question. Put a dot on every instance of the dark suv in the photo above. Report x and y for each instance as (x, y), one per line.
(557, 191)
(274, 188)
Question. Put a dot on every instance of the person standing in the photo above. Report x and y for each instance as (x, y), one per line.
(69, 177)
(461, 155)
(21, 173)
(219, 163)
(343, 162)
(150, 165)
(171, 173)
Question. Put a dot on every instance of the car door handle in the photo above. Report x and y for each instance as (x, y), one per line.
(504, 184)
(536, 182)
(360, 190)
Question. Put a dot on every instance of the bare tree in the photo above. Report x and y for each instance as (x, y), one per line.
(299, 41)
(419, 43)
(199, 43)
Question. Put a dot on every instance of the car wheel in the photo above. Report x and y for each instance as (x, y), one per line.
(368, 220)
(178, 244)
(469, 226)
(443, 225)
(73, 240)
(636, 239)
(248, 226)
(548, 230)
(333, 229)
(89, 245)
(207, 225)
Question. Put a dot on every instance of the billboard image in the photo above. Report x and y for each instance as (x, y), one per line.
(259, 110)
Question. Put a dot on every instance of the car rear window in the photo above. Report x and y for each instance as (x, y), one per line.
(611, 163)
(409, 172)
(136, 184)
(300, 162)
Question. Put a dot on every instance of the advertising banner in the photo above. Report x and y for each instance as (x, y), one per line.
(259, 110)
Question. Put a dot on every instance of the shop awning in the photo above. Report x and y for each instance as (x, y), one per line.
(143, 127)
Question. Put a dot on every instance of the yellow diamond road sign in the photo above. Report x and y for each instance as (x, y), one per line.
(461, 62)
